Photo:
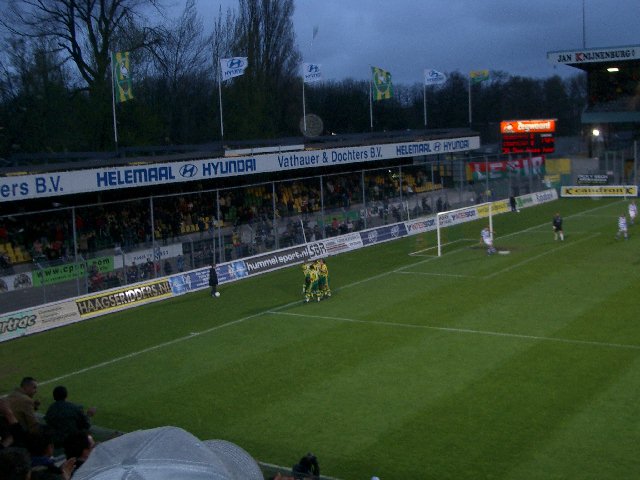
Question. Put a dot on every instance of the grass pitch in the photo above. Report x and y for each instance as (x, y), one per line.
(467, 366)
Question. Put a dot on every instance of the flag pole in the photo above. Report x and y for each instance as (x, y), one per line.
(424, 100)
(220, 101)
(113, 102)
(304, 108)
(469, 101)
(371, 101)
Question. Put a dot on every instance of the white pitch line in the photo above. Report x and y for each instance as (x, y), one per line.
(540, 255)
(438, 274)
(161, 345)
(147, 350)
(240, 320)
(466, 330)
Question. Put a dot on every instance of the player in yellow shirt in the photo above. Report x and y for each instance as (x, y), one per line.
(323, 281)
(312, 291)
(306, 270)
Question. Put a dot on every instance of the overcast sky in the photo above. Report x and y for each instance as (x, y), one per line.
(406, 36)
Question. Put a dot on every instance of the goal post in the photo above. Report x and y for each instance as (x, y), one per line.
(452, 218)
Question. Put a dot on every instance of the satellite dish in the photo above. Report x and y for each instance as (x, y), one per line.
(313, 124)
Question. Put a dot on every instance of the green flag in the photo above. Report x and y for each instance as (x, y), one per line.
(382, 86)
(121, 76)
(477, 76)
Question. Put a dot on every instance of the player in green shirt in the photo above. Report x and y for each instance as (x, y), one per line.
(323, 281)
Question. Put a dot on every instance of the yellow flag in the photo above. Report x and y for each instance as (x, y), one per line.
(382, 86)
(121, 76)
(477, 76)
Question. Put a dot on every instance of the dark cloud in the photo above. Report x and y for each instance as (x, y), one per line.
(407, 36)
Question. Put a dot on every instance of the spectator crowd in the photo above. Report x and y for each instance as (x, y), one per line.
(56, 446)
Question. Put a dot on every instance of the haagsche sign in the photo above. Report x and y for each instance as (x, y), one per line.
(116, 299)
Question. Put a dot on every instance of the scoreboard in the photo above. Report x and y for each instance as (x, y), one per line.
(528, 136)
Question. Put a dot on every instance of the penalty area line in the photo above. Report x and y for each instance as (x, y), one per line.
(489, 333)
(540, 255)
(437, 274)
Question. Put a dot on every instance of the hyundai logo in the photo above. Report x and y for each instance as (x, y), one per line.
(313, 68)
(188, 171)
(235, 63)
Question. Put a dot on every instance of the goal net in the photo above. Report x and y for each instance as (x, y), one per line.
(463, 225)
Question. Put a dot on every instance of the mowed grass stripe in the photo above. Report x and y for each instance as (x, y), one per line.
(464, 331)
(384, 400)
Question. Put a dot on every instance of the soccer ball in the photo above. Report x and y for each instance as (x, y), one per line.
(217, 294)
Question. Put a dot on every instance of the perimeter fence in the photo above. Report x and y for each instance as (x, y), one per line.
(50, 255)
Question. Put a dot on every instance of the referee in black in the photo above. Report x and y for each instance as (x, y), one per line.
(213, 281)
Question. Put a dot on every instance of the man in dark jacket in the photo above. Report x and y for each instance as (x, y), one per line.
(213, 281)
(65, 418)
(307, 467)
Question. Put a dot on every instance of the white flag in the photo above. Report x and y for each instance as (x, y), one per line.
(233, 67)
(311, 72)
(434, 77)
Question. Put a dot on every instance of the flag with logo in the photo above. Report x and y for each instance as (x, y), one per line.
(233, 67)
(311, 72)
(382, 86)
(477, 76)
(121, 76)
(434, 77)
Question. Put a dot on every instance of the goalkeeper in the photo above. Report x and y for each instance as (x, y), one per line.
(557, 227)
(487, 238)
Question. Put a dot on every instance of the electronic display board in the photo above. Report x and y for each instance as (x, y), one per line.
(528, 136)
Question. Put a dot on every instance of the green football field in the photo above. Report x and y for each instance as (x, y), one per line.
(467, 366)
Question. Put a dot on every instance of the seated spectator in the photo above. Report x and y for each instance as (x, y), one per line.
(15, 464)
(40, 447)
(11, 433)
(24, 406)
(307, 466)
(78, 446)
(5, 263)
(65, 418)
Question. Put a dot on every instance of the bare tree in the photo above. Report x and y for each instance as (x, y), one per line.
(84, 32)
(261, 30)
(182, 49)
(181, 60)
